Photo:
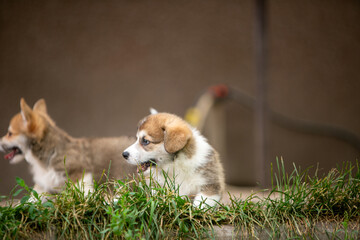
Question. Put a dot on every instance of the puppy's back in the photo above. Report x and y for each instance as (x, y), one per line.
(106, 153)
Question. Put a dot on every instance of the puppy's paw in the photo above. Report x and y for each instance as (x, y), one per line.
(203, 201)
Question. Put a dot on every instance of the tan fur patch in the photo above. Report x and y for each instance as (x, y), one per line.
(154, 128)
(17, 125)
(168, 128)
(34, 125)
(40, 108)
(176, 137)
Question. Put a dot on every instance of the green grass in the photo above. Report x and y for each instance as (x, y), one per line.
(296, 207)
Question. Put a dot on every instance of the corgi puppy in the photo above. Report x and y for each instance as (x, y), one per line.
(169, 145)
(52, 153)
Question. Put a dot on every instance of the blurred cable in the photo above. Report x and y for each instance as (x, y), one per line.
(198, 114)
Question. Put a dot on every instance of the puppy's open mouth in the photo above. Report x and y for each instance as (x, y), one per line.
(145, 165)
(11, 153)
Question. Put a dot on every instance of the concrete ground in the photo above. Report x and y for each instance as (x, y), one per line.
(321, 230)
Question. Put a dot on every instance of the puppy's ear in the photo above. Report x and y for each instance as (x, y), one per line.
(176, 136)
(26, 112)
(153, 111)
(32, 121)
(40, 106)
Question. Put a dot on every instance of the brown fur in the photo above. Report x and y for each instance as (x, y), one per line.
(170, 129)
(214, 173)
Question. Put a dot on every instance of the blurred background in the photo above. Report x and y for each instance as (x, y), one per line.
(100, 65)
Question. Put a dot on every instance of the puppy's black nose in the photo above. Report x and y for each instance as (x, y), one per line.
(126, 155)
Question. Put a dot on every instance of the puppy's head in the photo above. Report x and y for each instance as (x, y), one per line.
(160, 137)
(28, 124)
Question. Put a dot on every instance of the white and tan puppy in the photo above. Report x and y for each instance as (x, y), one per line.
(167, 144)
(33, 136)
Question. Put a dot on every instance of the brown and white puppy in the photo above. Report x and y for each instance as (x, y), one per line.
(33, 136)
(166, 142)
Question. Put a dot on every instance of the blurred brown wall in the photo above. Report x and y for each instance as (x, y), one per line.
(100, 65)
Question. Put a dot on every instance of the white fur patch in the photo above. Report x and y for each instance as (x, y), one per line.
(24, 118)
(153, 111)
(47, 179)
(202, 201)
(184, 170)
(203, 148)
(86, 184)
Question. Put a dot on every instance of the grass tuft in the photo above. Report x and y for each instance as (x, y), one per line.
(297, 206)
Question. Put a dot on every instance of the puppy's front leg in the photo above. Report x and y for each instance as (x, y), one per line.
(86, 184)
(39, 190)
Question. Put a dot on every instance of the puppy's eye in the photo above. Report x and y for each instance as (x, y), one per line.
(9, 134)
(144, 141)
